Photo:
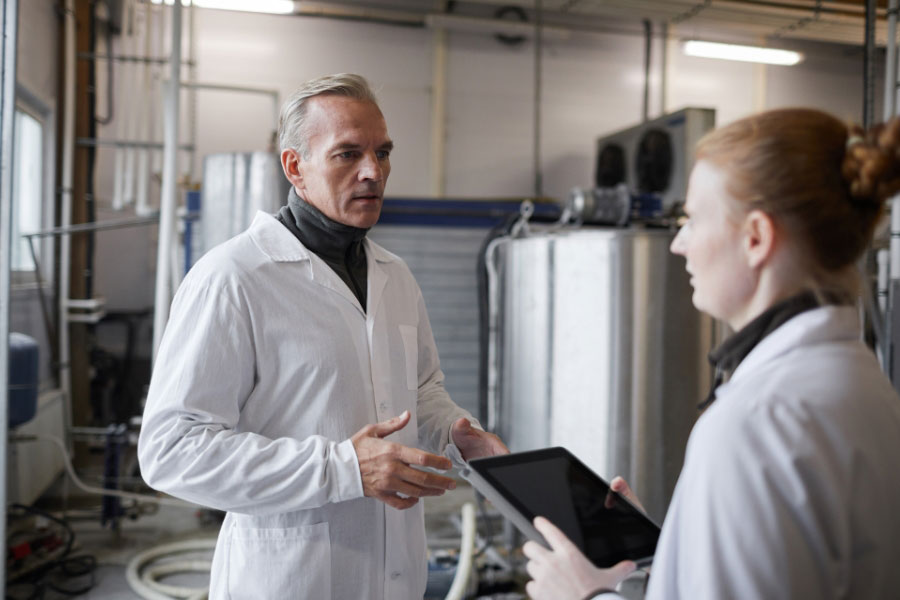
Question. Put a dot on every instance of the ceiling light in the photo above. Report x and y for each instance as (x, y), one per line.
(757, 54)
(281, 7)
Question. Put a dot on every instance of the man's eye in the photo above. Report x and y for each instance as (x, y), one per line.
(347, 154)
(383, 154)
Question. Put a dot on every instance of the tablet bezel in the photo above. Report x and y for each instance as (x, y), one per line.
(509, 504)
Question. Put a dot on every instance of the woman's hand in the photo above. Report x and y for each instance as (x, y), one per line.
(563, 572)
(621, 487)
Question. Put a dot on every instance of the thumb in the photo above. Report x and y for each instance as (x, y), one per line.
(386, 428)
(622, 570)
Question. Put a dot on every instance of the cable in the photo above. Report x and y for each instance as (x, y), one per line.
(92, 489)
(47, 575)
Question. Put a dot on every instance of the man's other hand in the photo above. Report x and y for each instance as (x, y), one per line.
(474, 443)
(386, 466)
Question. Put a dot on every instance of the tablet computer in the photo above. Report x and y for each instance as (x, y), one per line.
(552, 483)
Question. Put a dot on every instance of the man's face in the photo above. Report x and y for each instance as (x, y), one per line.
(348, 160)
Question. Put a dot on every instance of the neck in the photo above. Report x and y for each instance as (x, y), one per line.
(779, 279)
(319, 233)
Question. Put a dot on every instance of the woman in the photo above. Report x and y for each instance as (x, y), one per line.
(790, 486)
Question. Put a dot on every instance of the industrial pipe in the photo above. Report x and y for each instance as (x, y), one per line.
(169, 184)
(466, 553)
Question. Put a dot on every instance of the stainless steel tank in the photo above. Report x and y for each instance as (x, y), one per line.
(235, 186)
(600, 350)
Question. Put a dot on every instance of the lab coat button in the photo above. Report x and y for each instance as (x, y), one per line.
(395, 575)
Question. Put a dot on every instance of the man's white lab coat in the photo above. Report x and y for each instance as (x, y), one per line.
(791, 486)
(267, 367)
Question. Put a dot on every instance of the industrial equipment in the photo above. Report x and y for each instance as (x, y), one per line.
(593, 341)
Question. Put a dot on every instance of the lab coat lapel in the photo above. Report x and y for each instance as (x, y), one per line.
(326, 277)
(377, 279)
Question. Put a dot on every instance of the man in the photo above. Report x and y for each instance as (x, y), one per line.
(298, 376)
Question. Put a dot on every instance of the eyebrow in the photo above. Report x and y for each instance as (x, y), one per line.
(388, 145)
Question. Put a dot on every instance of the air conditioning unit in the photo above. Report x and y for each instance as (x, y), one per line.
(653, 159)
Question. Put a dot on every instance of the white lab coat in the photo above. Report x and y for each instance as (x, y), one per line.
(790, 487)
(267, 367)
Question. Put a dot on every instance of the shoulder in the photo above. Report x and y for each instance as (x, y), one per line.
(224, 270)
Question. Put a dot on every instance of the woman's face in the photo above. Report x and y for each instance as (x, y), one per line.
(712, 243)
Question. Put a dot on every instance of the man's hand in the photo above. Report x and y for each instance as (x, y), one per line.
(563, 572)
(385, 466)
(474, 443)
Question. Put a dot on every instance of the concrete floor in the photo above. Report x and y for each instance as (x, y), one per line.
(114, 549)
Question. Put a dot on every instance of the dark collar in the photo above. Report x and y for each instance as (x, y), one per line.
(735, 349)
(327, 238)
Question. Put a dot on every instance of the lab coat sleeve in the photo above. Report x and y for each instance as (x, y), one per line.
(435, 411)
(189, 446)
(747, 519)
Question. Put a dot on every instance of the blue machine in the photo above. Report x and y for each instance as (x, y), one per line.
(23, 378)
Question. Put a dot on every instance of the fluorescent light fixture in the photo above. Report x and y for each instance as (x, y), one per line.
(757, 54)
(280, 7)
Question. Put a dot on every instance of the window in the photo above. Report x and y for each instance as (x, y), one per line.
(28, 196)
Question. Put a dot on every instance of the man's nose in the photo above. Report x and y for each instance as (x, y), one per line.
(370, 168)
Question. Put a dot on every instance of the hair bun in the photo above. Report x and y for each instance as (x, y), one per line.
(871, 165)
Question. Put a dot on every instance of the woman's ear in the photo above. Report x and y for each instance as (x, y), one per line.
(759, 238)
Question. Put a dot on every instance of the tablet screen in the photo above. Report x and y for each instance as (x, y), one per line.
(554, 484)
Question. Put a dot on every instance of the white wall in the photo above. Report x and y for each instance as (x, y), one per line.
(592, 85)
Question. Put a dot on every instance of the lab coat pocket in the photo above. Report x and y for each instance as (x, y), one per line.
(293, 562)
(409, 333)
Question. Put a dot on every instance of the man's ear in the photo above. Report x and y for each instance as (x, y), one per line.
(290, 164)
(759, 238)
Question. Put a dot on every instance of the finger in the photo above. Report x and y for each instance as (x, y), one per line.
(461, 426)
(534, 550)
(426, 480)
(621, 487)
(396, 501)
(534, 570)
(554, 536)
(622, 570)
(386, 428)
(396, 485)
(414, 456)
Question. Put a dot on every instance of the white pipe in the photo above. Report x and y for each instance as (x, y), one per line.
(151, 575)
(90, 489)
(10, 20)
(895, 237)
(882, 259)
(466, 552)
(169, 183)
(890, 79)
(438, 111)
(65, 221)
(145, 130)
(124, 105)
(134, 104)
(133, 571)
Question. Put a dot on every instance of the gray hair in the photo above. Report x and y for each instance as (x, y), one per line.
(292, 123)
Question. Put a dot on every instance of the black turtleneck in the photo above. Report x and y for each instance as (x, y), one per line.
(735, 349)
(340, 246)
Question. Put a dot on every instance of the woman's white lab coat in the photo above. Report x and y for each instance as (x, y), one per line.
(791, 486)
(267, 367)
